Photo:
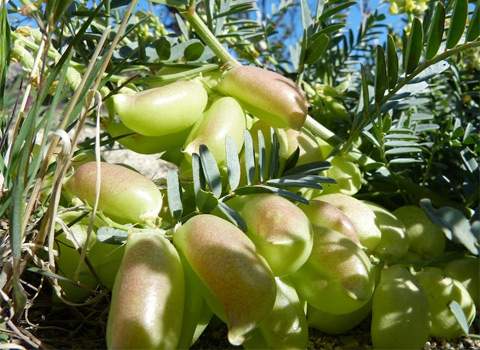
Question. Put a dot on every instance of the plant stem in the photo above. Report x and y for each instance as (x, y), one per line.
(209, 39)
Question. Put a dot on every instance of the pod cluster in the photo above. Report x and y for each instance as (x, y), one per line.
(329, 264)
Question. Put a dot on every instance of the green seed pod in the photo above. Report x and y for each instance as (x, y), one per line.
(400, 315)
(196, 313)
(147, 144)
(125, 195)
(225, 117)
(426, 238)
(266, 95)
(362, 216)
(325, 214)
(240, 286)
(68, 257)
(467, 271)
(106, 259)
(148, 296)
(164, 110)
(394, 241)
(281, 232)
(338, 277)
(336, 324)
(309, 148)
(286, 326)
(347, 175)
(441, 290)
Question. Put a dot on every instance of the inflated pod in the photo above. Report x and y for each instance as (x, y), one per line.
(239, 285)
(334, 323)
(148, 296)
(286, 326)
(281, 232)
(441, 290)
(266, 95)
(467, 271)
(338, 277)
(309, 148)
(196, 313)
(394, 241)
(400, 314)
(225, 117)
(147, 144)
(325, 214)
(68, 257)
(425, 238)
(163, 110)
(106, 259)
(362, 216)
(125, 195)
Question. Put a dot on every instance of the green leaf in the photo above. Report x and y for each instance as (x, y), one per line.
(453, 223)
(459, 315)
(327, 30)
(292, 160)
(274, 154)
(233, 216)
(414, 46)
(174, 192)
(309, 168)
(163, 46)
(194, 51)
(435, 32)
(316, 49)
(249, 157)
(270, 189)
(56, 8)
(211, 171)
(392, 62)
(457, 23)
(262, 157)
(331, 11)
(111, 235)
(306, 16)
(473, 30)
(380, 75)
(233, 163)
(5, 51)
(401, 150)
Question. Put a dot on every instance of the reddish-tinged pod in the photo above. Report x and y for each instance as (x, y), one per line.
(163, 110)
(125, 195)
(267, 95)
(239, 285)
(281, 231)
(148, 296)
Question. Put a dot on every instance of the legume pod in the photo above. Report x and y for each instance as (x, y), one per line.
(267, 95)
(125, 195)
(148, 296)
(239, 285)
(163, 110)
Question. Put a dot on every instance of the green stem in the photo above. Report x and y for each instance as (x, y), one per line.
(209, 39)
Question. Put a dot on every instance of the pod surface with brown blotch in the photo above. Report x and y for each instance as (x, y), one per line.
(240, 281)
(163, 110)
(267, 95)
(125, 195)
(148, 296)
